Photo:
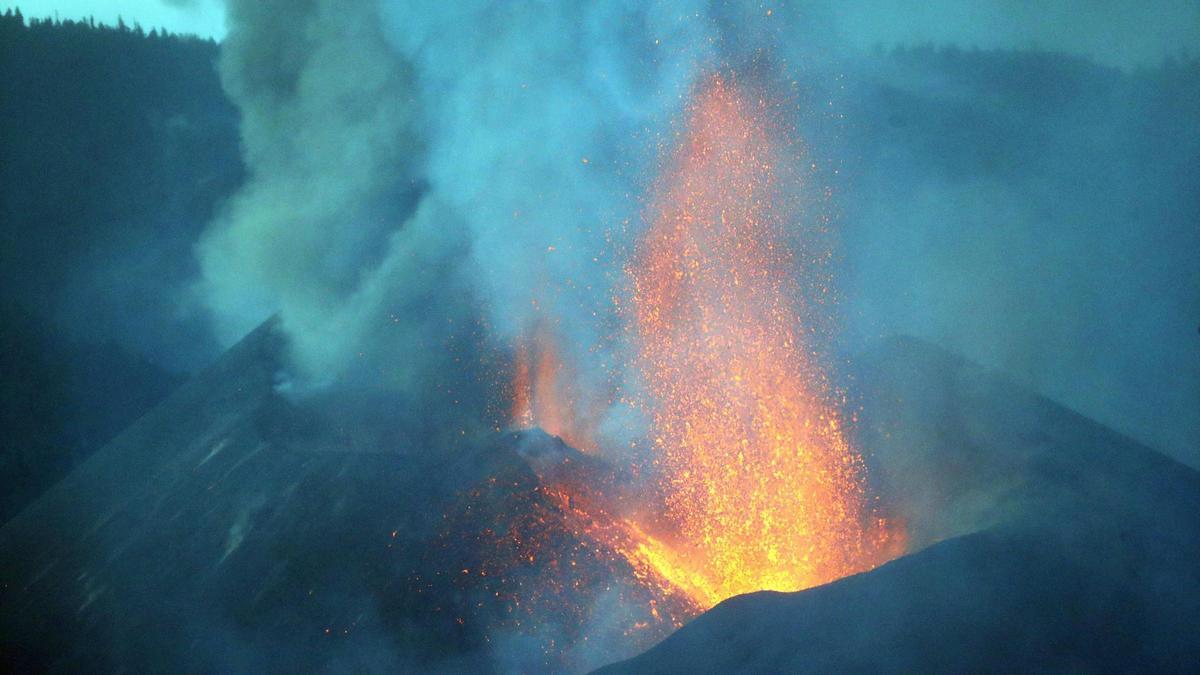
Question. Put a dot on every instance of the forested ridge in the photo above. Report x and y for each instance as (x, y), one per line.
(117, 144)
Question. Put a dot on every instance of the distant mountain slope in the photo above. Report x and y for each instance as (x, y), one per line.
(1037, 214)
(1050, 544)
(60, 398)
(118, 147)
(115, 149)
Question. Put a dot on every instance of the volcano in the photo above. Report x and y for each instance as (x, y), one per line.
(231, 530)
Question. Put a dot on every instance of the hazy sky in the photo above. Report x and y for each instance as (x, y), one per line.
(203, 17)
(1116, 32)
(1122, 33)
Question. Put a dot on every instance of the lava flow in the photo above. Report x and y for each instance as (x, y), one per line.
(758, 487)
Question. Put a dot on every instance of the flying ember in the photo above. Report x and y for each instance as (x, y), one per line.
(759, 478)
(544, 391)
(757, 486)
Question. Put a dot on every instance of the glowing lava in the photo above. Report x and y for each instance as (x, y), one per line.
(545, 391)
(758, 487)
(758, 477)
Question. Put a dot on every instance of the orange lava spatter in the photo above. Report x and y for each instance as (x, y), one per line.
(760, 483)
(757, 486)
(545, 391)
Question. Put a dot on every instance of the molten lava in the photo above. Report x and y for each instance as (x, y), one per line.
(759, 479)
(544, 391)
(758, 487)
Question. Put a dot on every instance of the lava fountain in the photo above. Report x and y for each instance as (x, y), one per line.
(759, 479)
(544, 391)
(757, 486)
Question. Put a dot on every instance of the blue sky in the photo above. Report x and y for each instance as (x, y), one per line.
(202, 17)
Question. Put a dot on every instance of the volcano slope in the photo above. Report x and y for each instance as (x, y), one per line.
(1043, 542)
(229, 530)
(222, 532)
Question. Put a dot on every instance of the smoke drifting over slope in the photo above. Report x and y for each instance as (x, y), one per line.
(418, 168)
(408, 173)
(326, 117)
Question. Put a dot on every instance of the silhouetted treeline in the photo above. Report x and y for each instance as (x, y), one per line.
(116, 145)
(14, 18)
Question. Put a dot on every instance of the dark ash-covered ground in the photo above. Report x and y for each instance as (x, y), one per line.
(230, 531)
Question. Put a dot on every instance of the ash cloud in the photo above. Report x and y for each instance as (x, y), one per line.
(417, 169)
(1035, 213)
(326, 133)
(424, 174)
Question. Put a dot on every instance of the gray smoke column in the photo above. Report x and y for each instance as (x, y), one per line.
(429, 176)
(334, 229)
(414, 164)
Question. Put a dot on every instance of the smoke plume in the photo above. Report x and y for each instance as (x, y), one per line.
(430, 181)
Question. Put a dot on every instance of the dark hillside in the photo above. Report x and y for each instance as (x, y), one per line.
(117, 146)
